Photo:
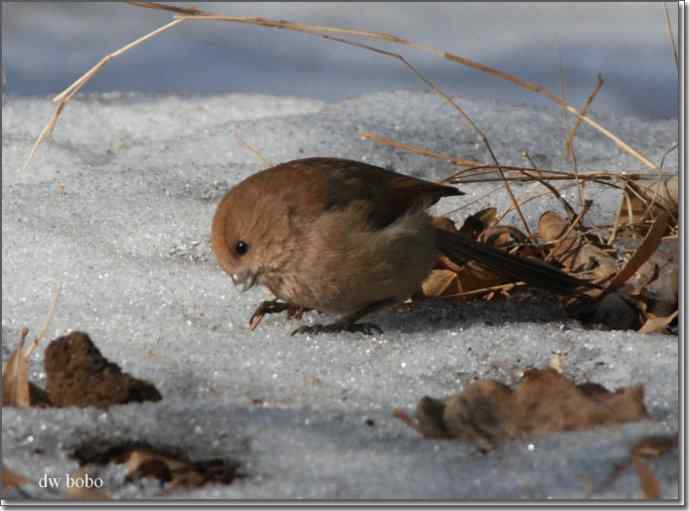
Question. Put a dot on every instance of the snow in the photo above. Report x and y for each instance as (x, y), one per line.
(117, 212)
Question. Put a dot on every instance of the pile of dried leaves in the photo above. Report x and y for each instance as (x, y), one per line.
(636, 281)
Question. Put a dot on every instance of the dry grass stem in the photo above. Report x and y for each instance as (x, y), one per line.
(666, 153)
(254, 151)
(569, 229)
(454, 105)
(46, 322)
(671, 36)
(415, 149)
(500, 287)
(183, 14)
(65, 96)
(569, 150)
(474, 201)
(585, 109)
(530, 198)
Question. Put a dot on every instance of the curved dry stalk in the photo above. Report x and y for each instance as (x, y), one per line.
(529, 199)
(46, 322)
(184, 14)
(671, 37)
(415, 149)
(65, 96)
(473, 201)
(454, 105)
(666, 153)
(569, 150)
(583, 112)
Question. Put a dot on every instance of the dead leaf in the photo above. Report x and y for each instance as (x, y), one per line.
(657, 279)
(643, 252)
(166, 465)
(11, 480)
(16, 388)
(648, 481)
(478, 222)
(645, 448)
(654, 446)
(438, 282)
(659, 196)
(655, 325)
(575, 252)
(15, 376)
(82, 492)
(488, 412)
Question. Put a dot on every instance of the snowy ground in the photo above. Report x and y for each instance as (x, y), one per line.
(117, 212)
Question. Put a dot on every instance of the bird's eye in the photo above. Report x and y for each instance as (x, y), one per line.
(241, 247)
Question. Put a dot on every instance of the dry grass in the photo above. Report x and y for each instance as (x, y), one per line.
(636, 192)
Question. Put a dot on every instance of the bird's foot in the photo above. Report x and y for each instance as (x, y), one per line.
(363, 328)
(266, 307)
(275, 307)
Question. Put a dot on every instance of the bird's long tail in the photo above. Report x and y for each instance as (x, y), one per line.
(534, 272)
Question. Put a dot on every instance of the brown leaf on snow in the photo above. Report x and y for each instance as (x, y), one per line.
(166, 465)
(656, 325)
(17, 390)
(644, 449)
(11, 480)
(82, 492)
(648, 481)
(15, 376)
(488, 412)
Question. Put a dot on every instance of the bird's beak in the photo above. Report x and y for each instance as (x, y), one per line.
(244, 281)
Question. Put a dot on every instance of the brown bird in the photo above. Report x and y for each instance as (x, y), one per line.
(348, 238)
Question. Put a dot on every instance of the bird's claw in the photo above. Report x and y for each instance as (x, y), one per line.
(363, 328)
(266, 307)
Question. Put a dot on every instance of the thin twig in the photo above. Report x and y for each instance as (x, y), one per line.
(570, 228)
(381, 36)
(666, 153)
(474, 201)
(454, 105)
(583, 112)
(529, 199)
(46, 322)
(569, 150)
(499, 287)
(671, 36)
(191, 14)
(254, 150)
(63, 98)
(414, 149)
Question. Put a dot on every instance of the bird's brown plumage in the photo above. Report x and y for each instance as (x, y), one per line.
(343, 236)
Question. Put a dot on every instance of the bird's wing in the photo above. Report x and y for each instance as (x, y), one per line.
(388, 194)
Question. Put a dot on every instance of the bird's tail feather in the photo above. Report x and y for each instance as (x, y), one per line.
(534, 272)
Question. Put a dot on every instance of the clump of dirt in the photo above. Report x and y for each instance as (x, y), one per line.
(78, 375)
